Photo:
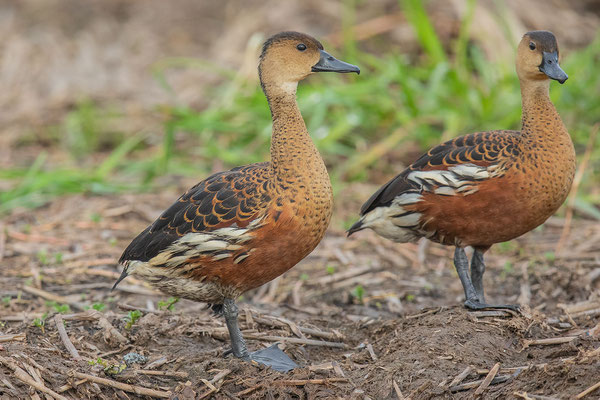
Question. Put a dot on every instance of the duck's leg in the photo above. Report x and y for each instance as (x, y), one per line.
(272, 356)
(477, 270)
(473, 300)
(461, 263)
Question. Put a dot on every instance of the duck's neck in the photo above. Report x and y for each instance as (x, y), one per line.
(292, 150)
(541, 122)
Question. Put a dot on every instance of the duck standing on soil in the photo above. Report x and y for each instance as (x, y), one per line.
(487, 187)
(241, 228)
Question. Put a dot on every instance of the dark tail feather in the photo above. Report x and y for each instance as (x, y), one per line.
(356, 227)
(123, 276)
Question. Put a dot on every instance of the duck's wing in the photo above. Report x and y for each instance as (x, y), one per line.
(450, 168)
(210, 216)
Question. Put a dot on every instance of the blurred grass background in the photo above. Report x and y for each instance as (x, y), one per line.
(368, 128)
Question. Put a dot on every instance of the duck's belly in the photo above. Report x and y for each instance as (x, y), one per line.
(276, 248)
(283, 240)
(502, 209)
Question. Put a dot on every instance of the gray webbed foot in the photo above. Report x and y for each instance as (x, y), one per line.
(275, 358)
(474, 304)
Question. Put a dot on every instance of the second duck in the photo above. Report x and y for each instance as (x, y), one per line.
(487, 187)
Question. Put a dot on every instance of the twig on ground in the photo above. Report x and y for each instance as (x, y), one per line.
(157, 363)
(558, 323)
(122, 386)
(577, 308)
(176, 374)
(340, 276)
(337, 369)
(460, 377)
(371, 352)
(129, 307)
(487, 380)
(398, 391)
(588, 313)
(62, 332)
(211, 384)
(211, 387)
(22, 317)
(281, 322)
(68, 386)
(511, 370)
(470, 385)
(588, 391)
(220, 376)
(547, 342)
(24, 377)
(529, 396)
(248, 391)
(321, 367)
(14, 336)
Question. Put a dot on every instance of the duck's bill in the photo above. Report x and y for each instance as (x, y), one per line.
(551, 68)
(328, 63)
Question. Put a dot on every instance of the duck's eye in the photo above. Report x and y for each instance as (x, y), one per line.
(532, 45)
(301, 47)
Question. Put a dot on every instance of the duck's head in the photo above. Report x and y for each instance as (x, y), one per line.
(289, 57)
(537, 57)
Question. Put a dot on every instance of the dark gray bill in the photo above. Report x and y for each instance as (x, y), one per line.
(551, 68)
(327, 62)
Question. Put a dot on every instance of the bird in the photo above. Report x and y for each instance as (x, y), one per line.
(239, 229)
(487, 187)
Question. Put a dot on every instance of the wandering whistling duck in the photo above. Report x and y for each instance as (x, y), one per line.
(241, 228)
(486, 187)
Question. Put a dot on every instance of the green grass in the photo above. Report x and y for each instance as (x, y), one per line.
(361, 124)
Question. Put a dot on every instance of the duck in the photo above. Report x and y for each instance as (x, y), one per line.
(487, 187)
(239, 229)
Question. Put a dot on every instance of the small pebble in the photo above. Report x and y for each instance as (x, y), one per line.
(134, 358)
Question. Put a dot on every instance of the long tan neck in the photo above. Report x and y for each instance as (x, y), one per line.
(292, 149)
(545, 164)
(541, 122)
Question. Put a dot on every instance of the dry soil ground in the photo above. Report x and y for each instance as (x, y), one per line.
(403, 334)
